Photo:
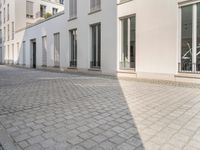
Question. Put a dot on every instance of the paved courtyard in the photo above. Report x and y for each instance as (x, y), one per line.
(42, 110)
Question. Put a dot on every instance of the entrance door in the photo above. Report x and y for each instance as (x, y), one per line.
(34, 54)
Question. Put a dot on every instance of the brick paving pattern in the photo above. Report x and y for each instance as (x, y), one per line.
(43, 110)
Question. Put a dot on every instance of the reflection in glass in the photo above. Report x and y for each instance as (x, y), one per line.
(73, 62)
(132, 42)
(198, 37)
(186, 39)
(125, 40)
(128, 43)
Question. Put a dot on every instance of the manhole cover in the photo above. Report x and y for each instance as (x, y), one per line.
(1, 147)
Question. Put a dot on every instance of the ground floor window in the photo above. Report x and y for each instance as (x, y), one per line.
(73, 48)
(13, 53)
(128, 38)
(190, 38)
(1, 55)
(96, 46)
(24, 52)
(44, 51)
(57, 49)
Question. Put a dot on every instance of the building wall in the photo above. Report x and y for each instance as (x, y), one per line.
(156, 35)
(48, 29)
(20, 11)
(62, 24)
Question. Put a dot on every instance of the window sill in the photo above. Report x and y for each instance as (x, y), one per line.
(94, 69)
(94, 11)
(73, 18)
(188, 75)
(120, 3)
(129, 71)
(72, 68)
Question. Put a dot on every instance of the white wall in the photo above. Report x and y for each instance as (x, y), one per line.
(47, 28)
(20, 11)
(156, 34)
(107, 18)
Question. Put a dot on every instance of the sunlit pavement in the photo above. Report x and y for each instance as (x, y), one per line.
(62, 111)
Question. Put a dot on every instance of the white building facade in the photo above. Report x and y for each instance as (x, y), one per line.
(145, 39)
(16, 15)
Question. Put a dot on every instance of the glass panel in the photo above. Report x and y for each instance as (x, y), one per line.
(132, 42)
(198, 37)
(125, 40)
(96, 46)
(186, 39)
(73, 48)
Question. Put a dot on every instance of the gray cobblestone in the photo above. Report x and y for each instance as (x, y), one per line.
(49, 110)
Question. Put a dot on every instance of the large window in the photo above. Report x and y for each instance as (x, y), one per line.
(56, 49)
(8, 33)
(190, 38)
(13, 53)
(54, 11)
(8, 12)
(42, 10)
(44, 51)
(29, 9)
(186, 38)
(24, 52)
(198, 37)
(72, 9)
(96, 46)
(13, 30)
(128, 43)
(95, 5)
(73, 47)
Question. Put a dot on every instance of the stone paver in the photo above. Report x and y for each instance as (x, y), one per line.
(63, 111)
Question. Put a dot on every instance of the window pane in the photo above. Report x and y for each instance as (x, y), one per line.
(198, 37)
(125, 40)
(186, 39)
(132, 42)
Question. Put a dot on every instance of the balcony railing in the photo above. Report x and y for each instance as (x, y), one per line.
(95, 64)
(187, 67)
(73, 63)
(127, 65)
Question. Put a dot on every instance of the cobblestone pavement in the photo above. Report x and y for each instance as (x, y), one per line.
(62, 111)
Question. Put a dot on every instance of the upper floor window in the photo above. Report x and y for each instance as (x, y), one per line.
(13, 30)
(42, 10)
(61, 1)
(8, 14)
(54, 11)
(29, 9)
(0, 17)
(72, 9)
(4, 15)
(189, 60)
(8, 33)
(95, 5)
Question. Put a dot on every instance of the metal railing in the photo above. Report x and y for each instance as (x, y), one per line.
(125, 65)
(188, 67)
(73, 63)
(95, 64)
